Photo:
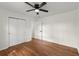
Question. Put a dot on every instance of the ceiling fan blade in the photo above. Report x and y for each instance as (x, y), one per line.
(29, 4)
(42, 4)
(30, 10)
(43, 10)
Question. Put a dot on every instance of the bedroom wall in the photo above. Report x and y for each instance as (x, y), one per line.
(4, 14)
(60, 28)
(77, 27)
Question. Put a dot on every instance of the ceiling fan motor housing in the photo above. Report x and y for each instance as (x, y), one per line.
(36, 6)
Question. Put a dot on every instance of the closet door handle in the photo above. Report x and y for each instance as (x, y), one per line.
(40, 31)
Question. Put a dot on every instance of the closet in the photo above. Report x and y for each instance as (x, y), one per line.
(16, 30)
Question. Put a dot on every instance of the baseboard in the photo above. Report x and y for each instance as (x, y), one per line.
(3, 48)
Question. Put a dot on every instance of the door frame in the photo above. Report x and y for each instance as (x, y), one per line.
(9, 18)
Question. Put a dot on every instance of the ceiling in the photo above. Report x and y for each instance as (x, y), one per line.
(52, 7)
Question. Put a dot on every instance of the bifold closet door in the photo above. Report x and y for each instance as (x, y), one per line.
(17, 32)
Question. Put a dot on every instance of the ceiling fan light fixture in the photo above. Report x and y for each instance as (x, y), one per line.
(37, 7)
(37, 10)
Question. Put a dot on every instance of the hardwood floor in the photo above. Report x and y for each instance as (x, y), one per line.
(39, 48)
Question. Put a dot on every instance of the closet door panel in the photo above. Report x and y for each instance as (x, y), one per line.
(16, 31)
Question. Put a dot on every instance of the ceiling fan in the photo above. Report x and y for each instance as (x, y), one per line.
(37, 7)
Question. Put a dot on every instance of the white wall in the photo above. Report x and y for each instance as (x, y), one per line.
(77, 27)
(60, 28)
(4, 14)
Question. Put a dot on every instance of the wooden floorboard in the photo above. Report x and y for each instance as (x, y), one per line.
(39, 48)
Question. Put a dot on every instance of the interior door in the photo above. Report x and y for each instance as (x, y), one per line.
(17, 32)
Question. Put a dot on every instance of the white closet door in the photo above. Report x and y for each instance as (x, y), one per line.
(16, 31)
